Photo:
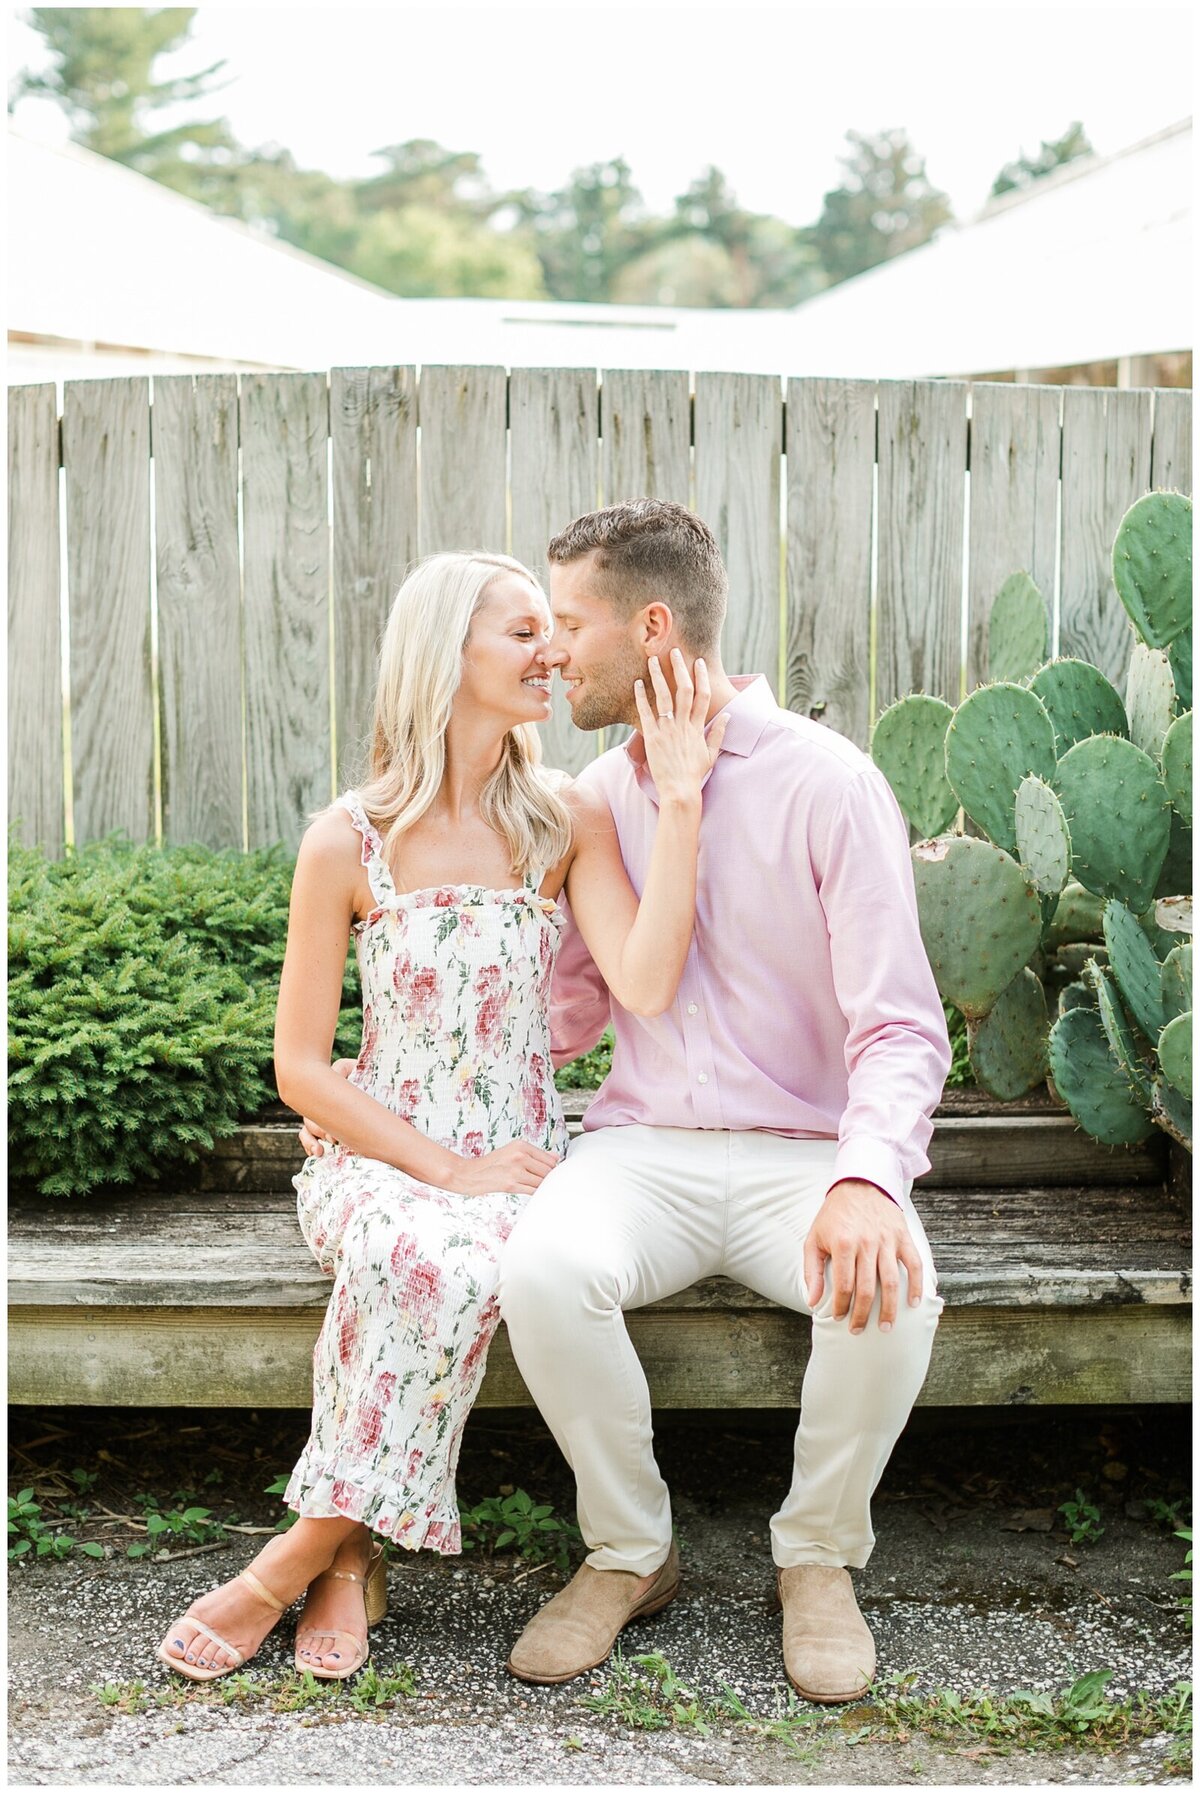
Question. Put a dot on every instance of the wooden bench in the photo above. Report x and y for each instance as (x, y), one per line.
(1064, 1266)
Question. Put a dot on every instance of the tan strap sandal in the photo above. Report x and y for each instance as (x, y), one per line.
(374, 1586)
(192, 1671)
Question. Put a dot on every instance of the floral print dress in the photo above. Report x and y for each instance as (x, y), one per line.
(456, 985)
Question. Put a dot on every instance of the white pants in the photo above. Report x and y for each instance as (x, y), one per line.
(635, 1214)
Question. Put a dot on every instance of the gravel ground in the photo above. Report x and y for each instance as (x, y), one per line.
(954, 1595)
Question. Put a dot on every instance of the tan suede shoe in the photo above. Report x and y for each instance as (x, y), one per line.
(828, 1652)
(577, 1629)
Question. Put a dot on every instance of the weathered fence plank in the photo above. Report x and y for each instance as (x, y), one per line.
(738, 430)
(285, 435)
(646, 430)
(922, 468)
(1105, 469)
(106, 451)
(373, 425)
(830, 477)
(555, 477)
(35, 695)
(1171, 450)
(194, 429)
(464, 455)
(1015, 444)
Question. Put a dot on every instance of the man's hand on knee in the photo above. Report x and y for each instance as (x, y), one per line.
(864, 1237)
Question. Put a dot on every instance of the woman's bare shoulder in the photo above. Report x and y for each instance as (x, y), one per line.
(331, 841)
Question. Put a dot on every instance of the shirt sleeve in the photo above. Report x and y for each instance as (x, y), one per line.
(897, 1046)
(580, 1005)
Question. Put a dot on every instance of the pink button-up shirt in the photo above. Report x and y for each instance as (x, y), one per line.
(807, 1006)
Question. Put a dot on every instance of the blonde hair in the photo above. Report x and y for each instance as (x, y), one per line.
(420, 670)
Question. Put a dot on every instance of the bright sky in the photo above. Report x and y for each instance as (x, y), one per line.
(765, 93)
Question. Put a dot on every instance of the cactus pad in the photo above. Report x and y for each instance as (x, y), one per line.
(1043, 838)
(1008, 1047)
(1177, 765)
(998, 734)
(1079, 702)
(1152, 566)
(1174, 913)
(1173, 1112)
(909, 747)
(1079, 915)
(1149, 698)
(1175, 879)
(1176, 982)
(1136, 967)
(1091, 1083)
(1119, 1033)
(1180, 655)
(1117, 810)
(980, 920)
(1175, 1053)
(1018, 630)
(1076, 995)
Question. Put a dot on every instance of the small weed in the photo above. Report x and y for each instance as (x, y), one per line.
(572, 1743)
(127, 1697)
(185, 1524)
(369, 1692)
(31, 1535)
(1083, 1519)
(279, 1486)
(372, 1690)
(1185, 1574)
(513, 1522)
(1081, 1714)
(1170, 1514)
(647, 1694)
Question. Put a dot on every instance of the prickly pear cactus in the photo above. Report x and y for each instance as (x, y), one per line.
(1136, 967)
(1152, 566)
(1149, 698)
(1043, 838)
(1008, 1046)
(1119, 816)
(1091, 1083)
(1177, 765)
(1018, 630)
(998, 735)
(1093, 796)
(909, 747)
(1079, 702)
(980, 920)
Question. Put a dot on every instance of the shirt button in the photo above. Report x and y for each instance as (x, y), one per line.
(703, 1077)
(691, 1008)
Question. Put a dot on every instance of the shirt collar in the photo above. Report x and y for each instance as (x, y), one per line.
(748, 713)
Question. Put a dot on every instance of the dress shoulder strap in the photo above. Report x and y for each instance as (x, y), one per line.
(378, 875)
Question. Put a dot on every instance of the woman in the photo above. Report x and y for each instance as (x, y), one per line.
(444, 866)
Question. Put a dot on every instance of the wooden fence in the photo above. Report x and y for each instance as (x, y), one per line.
(232, 548)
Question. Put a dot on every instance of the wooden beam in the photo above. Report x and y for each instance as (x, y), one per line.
(262, 1357)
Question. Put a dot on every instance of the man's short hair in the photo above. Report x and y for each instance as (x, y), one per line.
(649, 548)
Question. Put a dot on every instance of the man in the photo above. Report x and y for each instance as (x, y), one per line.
(768, 1127)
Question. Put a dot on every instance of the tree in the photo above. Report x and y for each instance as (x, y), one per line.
(430, 252)
(587, 231)
(102, 74)
(1026, 169)
(885, 206)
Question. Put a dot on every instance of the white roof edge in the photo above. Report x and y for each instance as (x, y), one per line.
(118, 171)
(1077, 169)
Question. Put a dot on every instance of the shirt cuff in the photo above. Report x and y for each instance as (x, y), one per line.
(869, 1161)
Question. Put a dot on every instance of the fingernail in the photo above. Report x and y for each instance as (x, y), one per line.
(914, 1301)
(885, 1326)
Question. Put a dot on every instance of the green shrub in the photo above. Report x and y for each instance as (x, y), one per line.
(142, 989)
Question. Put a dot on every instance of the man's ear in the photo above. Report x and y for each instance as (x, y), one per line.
(657, 626)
